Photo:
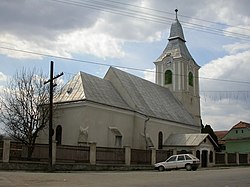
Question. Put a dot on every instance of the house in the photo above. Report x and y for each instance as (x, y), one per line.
(220, 135)
(122, 109)
(238, 138)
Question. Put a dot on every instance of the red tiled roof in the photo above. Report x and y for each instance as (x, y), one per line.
(241, 124)
(220, 134)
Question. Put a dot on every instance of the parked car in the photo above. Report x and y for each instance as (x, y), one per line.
(188, 161)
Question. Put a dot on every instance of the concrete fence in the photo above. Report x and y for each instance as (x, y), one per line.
(92, 155)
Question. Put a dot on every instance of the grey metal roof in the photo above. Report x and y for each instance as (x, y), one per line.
(176, 31)
(151, 99)
(88, 87)
(176, 46)
(71, 91)
(185, 139)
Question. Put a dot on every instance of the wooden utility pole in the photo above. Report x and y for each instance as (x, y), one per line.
(51, 85)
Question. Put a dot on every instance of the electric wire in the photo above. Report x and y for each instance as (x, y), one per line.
(113, 65)
(151, 17)
(179, 15)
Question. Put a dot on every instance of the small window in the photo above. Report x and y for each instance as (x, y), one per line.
(171, 159)
(191, 79)
(168, 77)
(160, 140)
(242, 131)
(198, 154)
(181, 158)
(59, 135)
(211, 156)
(236, 131)
(118, 141)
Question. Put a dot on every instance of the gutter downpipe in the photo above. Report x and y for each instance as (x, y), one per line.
(145, 129)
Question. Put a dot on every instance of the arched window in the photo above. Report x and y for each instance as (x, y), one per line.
(160, 140)
(168, 77)
(191, 79)
(59, 135)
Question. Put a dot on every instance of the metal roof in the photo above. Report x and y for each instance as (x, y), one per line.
(185, 139)
(176, 31)
(176, 46)
(149, 98)
(88, 87)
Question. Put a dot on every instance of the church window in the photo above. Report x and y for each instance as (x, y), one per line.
(190, 79)
(160, 140)
(168, 77)
(59, 135)
(118, 141)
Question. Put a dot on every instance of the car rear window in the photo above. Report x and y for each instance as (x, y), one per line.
(188, 157)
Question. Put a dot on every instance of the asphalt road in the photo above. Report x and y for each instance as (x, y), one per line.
(227, 177)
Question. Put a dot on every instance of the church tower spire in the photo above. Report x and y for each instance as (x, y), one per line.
(177, 70)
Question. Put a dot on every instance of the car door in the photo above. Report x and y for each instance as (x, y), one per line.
(171, 163)
(180, 162)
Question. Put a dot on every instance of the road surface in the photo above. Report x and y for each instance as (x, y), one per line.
(227, 177)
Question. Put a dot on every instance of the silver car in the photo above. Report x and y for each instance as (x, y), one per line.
(188, 161)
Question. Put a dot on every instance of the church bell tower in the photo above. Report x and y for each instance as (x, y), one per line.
(177, 71)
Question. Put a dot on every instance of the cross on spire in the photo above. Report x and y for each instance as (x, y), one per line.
(176, 10)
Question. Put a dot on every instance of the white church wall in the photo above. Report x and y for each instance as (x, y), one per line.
(167, 128)
(98, 120)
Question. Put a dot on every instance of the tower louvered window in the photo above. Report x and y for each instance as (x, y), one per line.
(168, 77)
(191, 79)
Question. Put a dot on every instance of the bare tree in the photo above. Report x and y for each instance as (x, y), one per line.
(24, 107)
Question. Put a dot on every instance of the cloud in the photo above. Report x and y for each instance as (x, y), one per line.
(3, 77)
(226, 102)
(149, 75)
(236, 47)
(223, 115)
(81, 31)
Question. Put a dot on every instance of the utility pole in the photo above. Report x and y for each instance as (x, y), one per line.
(51, 86)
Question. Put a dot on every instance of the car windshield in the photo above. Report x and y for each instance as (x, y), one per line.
(192, 156)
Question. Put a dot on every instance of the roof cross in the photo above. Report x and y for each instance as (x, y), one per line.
(176, 10)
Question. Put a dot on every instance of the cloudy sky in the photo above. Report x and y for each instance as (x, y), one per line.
(91, 35)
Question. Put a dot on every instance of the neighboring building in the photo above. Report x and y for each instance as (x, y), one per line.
(238, 138)
(220, 135)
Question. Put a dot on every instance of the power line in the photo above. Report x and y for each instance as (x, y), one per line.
(111, 8)
(113, 65)
(179, 15)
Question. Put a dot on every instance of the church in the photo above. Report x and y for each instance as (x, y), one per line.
(122, 109)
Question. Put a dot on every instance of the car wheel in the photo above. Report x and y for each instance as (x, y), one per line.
(161, 168)
(188, 167)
